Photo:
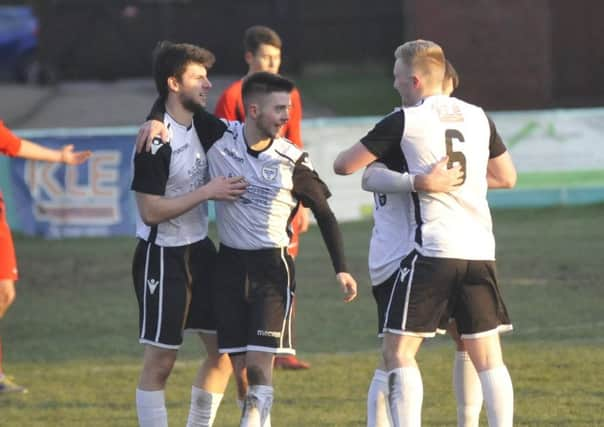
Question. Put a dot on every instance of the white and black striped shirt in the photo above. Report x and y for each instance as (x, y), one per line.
(173, 170)
(446, 225)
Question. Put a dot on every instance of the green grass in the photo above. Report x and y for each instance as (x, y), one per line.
(71, 335)
(364, 92)
(589, 178)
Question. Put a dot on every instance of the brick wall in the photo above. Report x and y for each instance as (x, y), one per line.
(514, 54)
(500, 48)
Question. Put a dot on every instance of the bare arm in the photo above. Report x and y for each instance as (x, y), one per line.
(352, 159)
(155, 209)
(379, 179)
(501, 172)
(32, 151)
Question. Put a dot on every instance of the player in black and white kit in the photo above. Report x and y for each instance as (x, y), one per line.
(390, 242)
(387, 178)
(452, 266)
(255, 280)
(174, 260)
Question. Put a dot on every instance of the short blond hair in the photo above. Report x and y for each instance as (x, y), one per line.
(451, 74)
(424, 57)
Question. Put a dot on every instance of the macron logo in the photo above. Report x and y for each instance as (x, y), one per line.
(152, 283)
(271, 334)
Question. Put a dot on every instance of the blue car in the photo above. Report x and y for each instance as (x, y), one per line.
(18, 44)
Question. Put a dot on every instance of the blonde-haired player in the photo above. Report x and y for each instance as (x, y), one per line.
(451, 270)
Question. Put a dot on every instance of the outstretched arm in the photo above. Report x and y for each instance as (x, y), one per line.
(33, 151)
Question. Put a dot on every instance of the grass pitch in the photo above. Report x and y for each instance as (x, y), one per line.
(71, 336)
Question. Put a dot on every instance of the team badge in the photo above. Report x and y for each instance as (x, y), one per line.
(269, 173)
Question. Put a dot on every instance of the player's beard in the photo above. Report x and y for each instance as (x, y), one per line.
(190, 104)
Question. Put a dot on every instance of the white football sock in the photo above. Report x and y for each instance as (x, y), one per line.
(204, 406)
(151, 408)
(406, 392)
(378, 412)
(498, 396)
(258, 402)
(468, 391)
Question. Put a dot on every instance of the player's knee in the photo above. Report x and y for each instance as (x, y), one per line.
(157, 367)
(7, 295)
(220, 362)
(256, 375)
(160, 372)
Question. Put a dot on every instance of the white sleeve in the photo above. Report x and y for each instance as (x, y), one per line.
(377, 178)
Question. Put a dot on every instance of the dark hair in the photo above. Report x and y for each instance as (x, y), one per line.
(257, 35)
(263, 83)
(451, 73)
(171, 60)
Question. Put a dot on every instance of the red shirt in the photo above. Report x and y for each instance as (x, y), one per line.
(230, 107)
(10, 144)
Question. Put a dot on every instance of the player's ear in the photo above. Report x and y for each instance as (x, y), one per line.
(173, 84)
(416, 82)
(253, 110)
(248, 56)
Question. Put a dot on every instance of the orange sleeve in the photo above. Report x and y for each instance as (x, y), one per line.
(10, 144)
(293, 127)
(229, 104)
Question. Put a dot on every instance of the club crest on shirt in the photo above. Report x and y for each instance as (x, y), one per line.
(269, 173)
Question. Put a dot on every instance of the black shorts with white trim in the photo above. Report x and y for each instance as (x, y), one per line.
(255, 291)
(430, 290)
(174, 292)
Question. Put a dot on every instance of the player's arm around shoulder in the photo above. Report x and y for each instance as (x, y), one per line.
(153, 128)
(378, 178)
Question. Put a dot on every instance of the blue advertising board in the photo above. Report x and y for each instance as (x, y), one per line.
(93, 199)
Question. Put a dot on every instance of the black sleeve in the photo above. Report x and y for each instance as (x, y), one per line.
(209, 128)
(151, 171)
(395, 160)
(386, 134)
(313, 193)
(496, 145)
(158, 110)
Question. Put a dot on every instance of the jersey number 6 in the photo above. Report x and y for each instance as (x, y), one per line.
(455, 156)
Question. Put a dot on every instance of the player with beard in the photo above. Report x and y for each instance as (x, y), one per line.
(255, 280)
(174, 260)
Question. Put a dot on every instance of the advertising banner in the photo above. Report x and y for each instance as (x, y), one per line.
(93, 199)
